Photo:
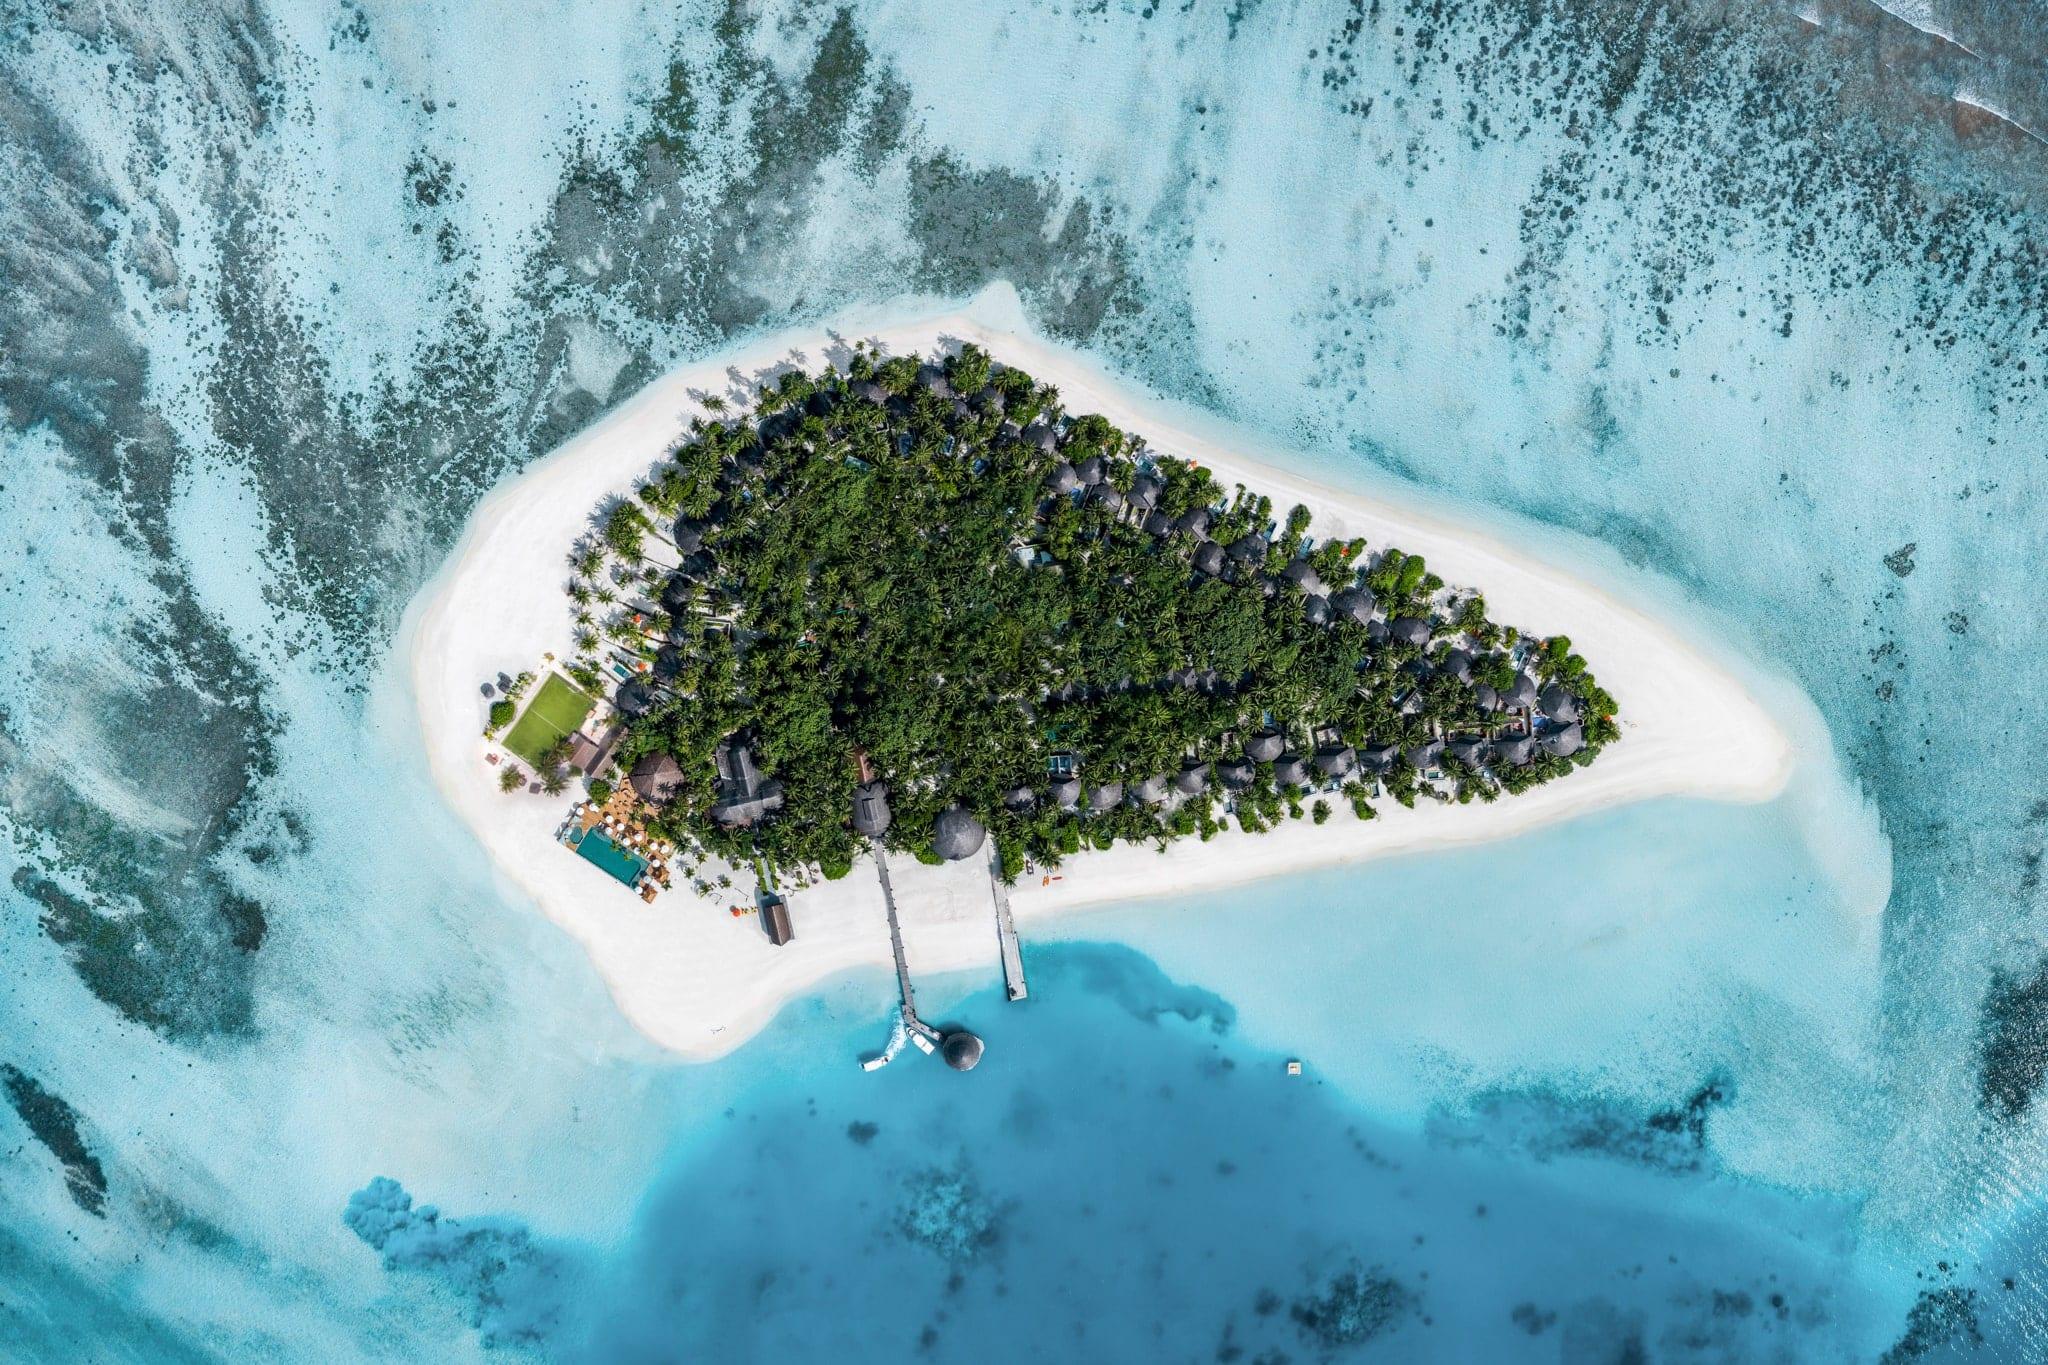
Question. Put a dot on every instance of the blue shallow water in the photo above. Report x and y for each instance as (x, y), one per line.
(1532, 1125)
(1125, 1178)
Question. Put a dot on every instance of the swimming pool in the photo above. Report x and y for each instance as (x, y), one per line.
(597, 847)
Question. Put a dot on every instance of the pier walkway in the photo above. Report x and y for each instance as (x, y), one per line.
(918, 1027)
(1006, 932)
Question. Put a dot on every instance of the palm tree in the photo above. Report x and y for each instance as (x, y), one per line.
(555, 781)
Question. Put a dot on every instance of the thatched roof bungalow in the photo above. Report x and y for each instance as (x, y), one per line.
(871, 814)
(1408, 630)
(957, 834)
(656, 778)
(1248, 548)
(1355, 603)
(1236, 774)
(1558, 704)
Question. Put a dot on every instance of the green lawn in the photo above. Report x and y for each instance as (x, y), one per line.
(556, 710)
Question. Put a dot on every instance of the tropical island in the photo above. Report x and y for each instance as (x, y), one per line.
(1094, 668)
(916, 601)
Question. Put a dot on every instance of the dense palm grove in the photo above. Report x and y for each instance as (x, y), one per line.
(931, 571)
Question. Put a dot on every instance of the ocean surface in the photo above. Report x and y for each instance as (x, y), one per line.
(1738, 306)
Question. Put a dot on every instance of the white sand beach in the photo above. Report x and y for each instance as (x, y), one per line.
(700, 981)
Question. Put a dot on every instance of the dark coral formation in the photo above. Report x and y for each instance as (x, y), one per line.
(54, 1123)
(1352, 1306)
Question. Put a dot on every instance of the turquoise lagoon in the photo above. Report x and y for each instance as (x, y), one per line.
(1720, 291)
(1530, 1127)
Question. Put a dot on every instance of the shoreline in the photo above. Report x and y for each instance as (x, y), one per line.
(700, 982)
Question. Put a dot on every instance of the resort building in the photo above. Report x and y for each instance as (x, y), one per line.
(1557, 704)
(1513, 750)
(1265, 746)
(656, 778)
(1249, 548)
(588, 756)
(1408, 630)
(633, 698)
(743, 795)
(775, 919)
(957, 834)
(1356, 603)
(1236, 774)
(1471, 750)
(871, 815)
(1303, 575)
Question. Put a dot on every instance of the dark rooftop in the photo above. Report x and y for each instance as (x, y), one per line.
(957, 834)
(871, 814)
(657, 777)
(1408, 630)
(1248, 548)
(1558, 704)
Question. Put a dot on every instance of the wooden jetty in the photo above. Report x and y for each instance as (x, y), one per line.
(920, 1032)
(1006, 931)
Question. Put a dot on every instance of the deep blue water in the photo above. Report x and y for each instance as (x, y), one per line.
(1124, 1179)
(1738, 306)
